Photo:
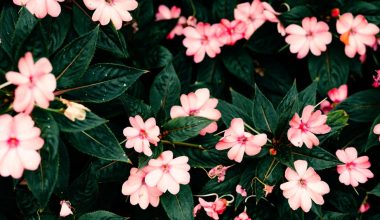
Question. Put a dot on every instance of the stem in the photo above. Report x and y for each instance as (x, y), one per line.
(320, 102)
(123, 142)
(270, 169)
(193, 8)
(55, 110)
(256, 178)
(196, 146)
(246, 199)
(357, 193)
(5, 85)
(220, 132)
(207, 195)
(252, 129)
(229, 201)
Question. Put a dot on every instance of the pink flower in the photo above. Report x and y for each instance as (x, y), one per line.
(337, 95)
(268, 189)
(251, 14)
(139, 192)
(364, 207)
(182, 22)
(228, 32)
(35, 84)
(240, 141)
(164, 13)
(65, 209)
(303, 130)
(41, 8)
(141, 134)
(376, 79)
(376, 130)
(271, 15)
(167, 173)
(116, 11)
(313, 36)
(241, 190)
(355, 169)
(356, 33)
(218, 171)
(303, 185)
(200, 104)
(201, 40)
(196, 209)
(213, 209)
(242, 216)
(19, 142)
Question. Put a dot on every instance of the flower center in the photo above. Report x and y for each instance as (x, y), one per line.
(345, 38)
(242, 139)
(193, 112)
(303, 182)
(143, 133)
(13, 142)
(109, 1)
(350, 165)
(205, 40)
(165, 168)
(304, 127)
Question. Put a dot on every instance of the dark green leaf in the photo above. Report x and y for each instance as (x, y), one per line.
(42, 181)
(110, 171)
(180, 206)
(165, 90)
(337, 120)
(156, 57)
(24, 27)
(264, 115)
(223, 9)
(317, 157)
(373, 139)
(183, 128)
(134, 106)
(295, 15)
(8, 21)
(363, 106)
(99, 142)
(66, 125)
(308, 95)
(56, 30)
(155, 32)
(72, 61)
(230, 112)
(286, 109)
(102, 82)
(101, 215)
(240, 64)
(330, 70)
(375, 191)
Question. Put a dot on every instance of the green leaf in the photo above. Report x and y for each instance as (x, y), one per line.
(24, 27)
(165, 90)
(144, 13)
(264, 115)
(110, 171)
(295, 15)
(242, 102)
(99, 142)
(337, 120)
(102, 83)
(64, 169)
(156, 57)
(375, 191)
(8, 19)
(183, 128)
(155, 32)
(330, 70)
(42, 181)
(223, 9)
(180, 206)
(56, 30)
(134, 106)
(363, 106)
(101, 215)
(72, 61)
(230, 112)
(308, 95)
(317, 157)
(240, 64)
(373, 139)
(66, 125)
(286, 109)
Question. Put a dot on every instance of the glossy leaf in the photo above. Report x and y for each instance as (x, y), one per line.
(183, 128)
(179, 206)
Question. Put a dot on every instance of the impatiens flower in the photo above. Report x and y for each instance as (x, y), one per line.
(242, 216)
(201, 40)
(303, 130)
(41, 8)
(355, 169)
(35, 84)
(271, 15)
(115, 11)
(141, 134)
(65, 209)
(313, 36)
(364, 207)
(218, 171)
(198, 103)
(303, 185)
(376, 130)
(181, 24)
(268, 189)
(241, 190)
(139, 192)
(356, 33)
(228, 32)
(336, 95)
(251, 14)
(376, 79)
(167, 173)
(74, 110)
(19, 142)
(164, 13)
(240, 141)
(213, 209)
(196, 209)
